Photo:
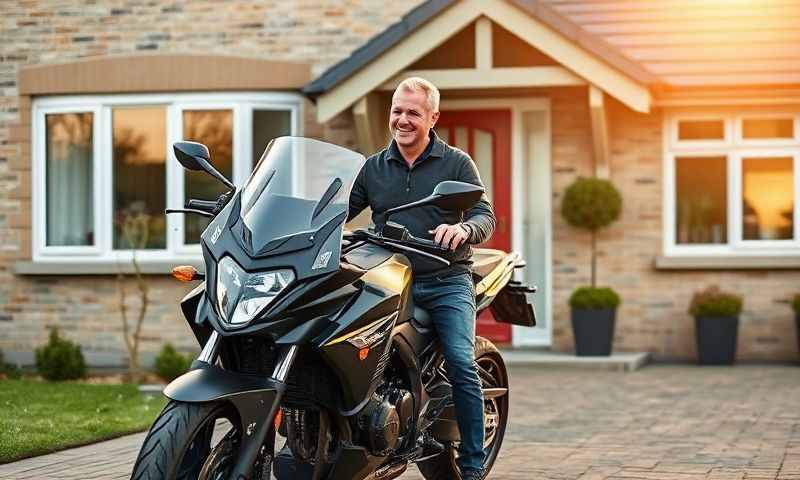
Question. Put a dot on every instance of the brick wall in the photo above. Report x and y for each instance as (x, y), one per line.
(653, 316)
(41, 32)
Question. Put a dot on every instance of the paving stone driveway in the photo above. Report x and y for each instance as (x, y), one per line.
(662, 422)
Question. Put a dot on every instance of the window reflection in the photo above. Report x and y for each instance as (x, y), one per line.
(756, 128)
(701, 130)
(69, 176)
(768, 203)
(214, 128)
(701, 192)
(139, 140)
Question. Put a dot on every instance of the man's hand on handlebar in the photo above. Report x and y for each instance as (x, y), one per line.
(450, 236)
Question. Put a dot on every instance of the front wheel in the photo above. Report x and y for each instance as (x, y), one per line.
(494, 382)
(190, 441)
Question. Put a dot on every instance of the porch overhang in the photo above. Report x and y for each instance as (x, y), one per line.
(583, 59)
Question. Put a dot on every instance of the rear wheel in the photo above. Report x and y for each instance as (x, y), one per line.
(191, 441)
(494, 382)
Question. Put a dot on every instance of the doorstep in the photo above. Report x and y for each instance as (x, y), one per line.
(618, 361)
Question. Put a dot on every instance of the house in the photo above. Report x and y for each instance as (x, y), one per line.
(691, 109)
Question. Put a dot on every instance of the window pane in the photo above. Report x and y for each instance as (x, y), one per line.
(269, 124)
(214, 128)
(701, 192)
(753, 128)
(768, 203)
(701, 130)
(140, 144)
(68, 173)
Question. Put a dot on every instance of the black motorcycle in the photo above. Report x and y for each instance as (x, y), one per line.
(310, 332)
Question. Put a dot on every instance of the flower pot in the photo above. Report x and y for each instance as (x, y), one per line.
(716, 339)
(797, 321)
(593, 330)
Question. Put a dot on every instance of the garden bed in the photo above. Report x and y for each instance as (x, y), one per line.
(40, 417)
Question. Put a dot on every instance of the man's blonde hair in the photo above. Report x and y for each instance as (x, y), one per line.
(416, 84)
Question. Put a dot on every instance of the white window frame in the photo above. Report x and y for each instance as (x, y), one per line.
(241, 103)
(734, 149)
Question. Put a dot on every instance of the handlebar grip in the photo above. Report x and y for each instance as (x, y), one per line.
(205, 205)
(428, 243)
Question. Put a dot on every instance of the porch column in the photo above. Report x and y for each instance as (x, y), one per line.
(371, 119)
(599, 132)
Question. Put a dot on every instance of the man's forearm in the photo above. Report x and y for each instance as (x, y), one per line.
(480, 221)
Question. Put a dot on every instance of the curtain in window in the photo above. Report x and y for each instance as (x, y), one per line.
(70, 215)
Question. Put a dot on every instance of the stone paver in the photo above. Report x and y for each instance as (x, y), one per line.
(662, 422)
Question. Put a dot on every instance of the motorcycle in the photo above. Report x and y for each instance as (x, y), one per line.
(310, 332)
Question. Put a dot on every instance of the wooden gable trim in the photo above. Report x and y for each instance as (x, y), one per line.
(509, 77)
(161, 73)
(427, 37)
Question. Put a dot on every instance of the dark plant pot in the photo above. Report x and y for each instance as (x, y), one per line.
(797, 321)
(716, 339)
(594, 331)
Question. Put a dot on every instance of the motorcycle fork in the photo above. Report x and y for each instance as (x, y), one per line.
(257, 426)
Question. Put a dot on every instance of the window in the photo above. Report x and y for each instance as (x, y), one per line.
(104, 170)
(732, 193)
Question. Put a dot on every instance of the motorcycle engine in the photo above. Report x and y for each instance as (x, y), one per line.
(386, 419)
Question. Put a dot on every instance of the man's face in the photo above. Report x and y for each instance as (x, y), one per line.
(411, 118)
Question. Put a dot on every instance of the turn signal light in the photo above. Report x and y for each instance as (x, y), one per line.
(363, 353)
(278, 420)
(186, 273)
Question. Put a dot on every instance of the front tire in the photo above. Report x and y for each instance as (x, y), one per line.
(179, 442)
(493, 375)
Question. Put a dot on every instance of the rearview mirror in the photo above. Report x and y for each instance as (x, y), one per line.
(449, 195)
(189, 154)
(452, 195)
(195, 156)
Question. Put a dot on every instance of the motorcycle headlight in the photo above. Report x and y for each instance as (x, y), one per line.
(241, 295)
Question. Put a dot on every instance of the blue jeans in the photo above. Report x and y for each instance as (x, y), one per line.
(450, 301)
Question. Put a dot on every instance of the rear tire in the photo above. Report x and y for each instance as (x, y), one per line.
(173, 434)
(444, 466)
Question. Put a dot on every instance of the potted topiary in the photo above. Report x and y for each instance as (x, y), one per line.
(716, 317)
(592, 203)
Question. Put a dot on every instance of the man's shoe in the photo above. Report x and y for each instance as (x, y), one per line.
(472, 475)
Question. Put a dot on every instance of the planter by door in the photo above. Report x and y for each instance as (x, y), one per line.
(593, 330)
(716, 339)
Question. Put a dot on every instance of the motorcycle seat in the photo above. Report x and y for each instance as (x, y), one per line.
(422, 318)
(485, 260)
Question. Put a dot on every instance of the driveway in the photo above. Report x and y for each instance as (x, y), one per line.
(661, 422)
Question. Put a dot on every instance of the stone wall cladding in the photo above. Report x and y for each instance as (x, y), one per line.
(41, 32)
(653, 316)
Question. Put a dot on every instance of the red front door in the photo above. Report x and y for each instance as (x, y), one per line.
(486, 136)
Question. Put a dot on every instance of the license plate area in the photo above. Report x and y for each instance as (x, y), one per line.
(511, 305)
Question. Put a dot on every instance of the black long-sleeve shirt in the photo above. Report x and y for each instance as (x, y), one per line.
(386, 181)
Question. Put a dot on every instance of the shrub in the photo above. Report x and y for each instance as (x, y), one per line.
(171, 364)
(712, 302)
(591, 203)
(8, 370)
(594, 298)
(796, 304)
(60, 359)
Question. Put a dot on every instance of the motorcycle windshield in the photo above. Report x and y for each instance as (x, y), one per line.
(299, 185)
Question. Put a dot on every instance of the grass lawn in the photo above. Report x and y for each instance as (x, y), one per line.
(37, 417)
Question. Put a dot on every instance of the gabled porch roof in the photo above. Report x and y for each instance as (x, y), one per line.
(584, 57)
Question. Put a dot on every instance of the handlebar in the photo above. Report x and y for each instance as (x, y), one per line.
(205, 205)
(407, 243)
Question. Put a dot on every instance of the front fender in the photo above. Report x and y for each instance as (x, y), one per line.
(256, 399)
(211, 383)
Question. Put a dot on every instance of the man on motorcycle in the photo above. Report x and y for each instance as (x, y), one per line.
(408, 170)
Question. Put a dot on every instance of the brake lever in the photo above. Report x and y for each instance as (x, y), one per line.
(418, 252)
(188, 210)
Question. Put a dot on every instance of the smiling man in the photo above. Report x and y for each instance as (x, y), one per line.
(407, 170)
